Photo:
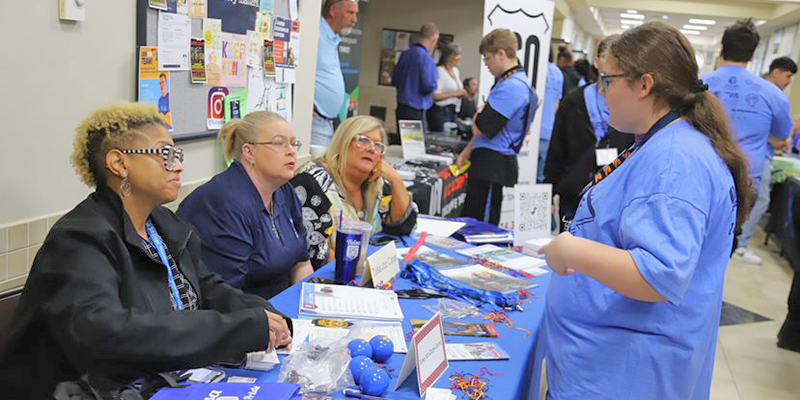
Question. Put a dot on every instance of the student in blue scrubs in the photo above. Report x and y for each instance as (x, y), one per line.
(249, 217)
(758, 110)
(499, 129)
(634, 309)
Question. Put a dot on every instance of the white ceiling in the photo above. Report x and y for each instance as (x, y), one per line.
(707, 39)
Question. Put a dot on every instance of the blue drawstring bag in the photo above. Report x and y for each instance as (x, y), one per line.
(232, 391)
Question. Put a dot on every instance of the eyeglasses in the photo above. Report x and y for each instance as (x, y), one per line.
(605, 79)
(365, 142)
(282, 144)
(170, 154)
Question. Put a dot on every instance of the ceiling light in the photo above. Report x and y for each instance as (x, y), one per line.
(665, 17)
(759, 22)
(695, 27)
(702, 21)
(632, 16)
(632, 12)
(630, 22)
(626, 27)
(688, 32)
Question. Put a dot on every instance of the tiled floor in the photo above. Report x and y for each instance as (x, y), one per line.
(749, 365)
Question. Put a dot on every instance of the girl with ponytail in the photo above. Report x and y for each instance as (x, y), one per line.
(635, 308)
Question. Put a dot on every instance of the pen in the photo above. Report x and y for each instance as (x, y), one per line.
(358, 395)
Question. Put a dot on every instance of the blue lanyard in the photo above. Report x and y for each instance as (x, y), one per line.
(162, 254)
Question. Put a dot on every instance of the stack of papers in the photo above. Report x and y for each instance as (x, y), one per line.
(507, 258)
(339, 301)
(262, 360)
(484, 278)
(432, 257)
(329, 328)
(531, 247)
(477, 232)
(475, 351)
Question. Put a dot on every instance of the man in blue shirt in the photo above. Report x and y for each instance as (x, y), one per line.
(339, 17)
(415, 77)
(553, 92)
(758, 111)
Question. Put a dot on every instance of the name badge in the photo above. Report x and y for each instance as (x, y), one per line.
(605, 156)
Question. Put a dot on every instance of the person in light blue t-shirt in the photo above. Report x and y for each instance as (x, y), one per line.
(553, 93)
(634, 309)
(758, 110)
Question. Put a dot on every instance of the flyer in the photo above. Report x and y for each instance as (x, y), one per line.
(198, 60)
(269, 58)
(234, 60)
(154, 84)
(174, 36)
(281, 36)
(212, 33)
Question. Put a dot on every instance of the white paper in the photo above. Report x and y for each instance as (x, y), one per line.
(174, 39)
(533, 213)
(293, 9)
(258, 88)
(367, 329)
(383, 266)
(280, 100)
(605, 156)
(241, 379)
(438, 227)
(402, 41)
(349, 302)
(262, 360)
(439, 394)
(203, 375)
(255, 44)
(302, 328)
(212, 32)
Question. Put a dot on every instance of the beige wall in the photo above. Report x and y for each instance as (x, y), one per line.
(458, 17)
(54, 76)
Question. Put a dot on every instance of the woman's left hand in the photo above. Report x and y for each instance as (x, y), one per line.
(385, 170)
(556, 251)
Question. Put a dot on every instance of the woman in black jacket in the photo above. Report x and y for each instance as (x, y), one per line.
(581, 127)
(118, 290)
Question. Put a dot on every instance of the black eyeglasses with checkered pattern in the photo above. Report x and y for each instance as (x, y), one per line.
(170, 154)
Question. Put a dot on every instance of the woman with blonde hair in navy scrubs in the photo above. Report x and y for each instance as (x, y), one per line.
(249, 217)
(634, 311)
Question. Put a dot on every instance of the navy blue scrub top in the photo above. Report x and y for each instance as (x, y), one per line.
(251, 249)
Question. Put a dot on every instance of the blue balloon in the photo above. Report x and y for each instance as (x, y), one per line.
(358, 364)
(374, 381)
(359, 347)
(382, 348)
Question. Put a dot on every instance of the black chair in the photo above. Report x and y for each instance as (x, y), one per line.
(8, 305)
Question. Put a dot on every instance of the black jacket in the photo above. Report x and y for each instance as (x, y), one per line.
(571, 160)
(95, 302)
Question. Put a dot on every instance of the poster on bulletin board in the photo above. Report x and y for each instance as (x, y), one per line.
(154, 84)
(237, 16)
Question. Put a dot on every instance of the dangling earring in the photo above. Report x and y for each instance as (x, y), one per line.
(125, 186)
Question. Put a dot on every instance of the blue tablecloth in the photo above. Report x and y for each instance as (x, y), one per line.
(520, 379)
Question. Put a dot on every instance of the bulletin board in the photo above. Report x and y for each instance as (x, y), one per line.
(393, 43)
(189, 101)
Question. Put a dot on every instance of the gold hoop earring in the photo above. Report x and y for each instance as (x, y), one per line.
(125, 186)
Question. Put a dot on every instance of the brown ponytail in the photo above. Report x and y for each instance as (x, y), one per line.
(661, 50)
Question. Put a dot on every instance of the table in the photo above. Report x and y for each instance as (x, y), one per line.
(784, 221)
(520, 379)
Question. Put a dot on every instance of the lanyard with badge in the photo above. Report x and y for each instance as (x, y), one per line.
(162, 254)
(608, 169)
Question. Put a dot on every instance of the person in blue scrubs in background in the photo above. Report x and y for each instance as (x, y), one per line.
(553, 92)
(248, 217)
(634, 309)
(758, 111)
(499, 129)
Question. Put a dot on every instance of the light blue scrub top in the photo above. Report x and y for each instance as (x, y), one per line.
(553, 93)
(672, 205)
(756, 107)
(512, 98)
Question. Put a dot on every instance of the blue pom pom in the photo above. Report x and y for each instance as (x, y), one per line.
(374, 381)
(382, 348)
(359, 347)
(358, 365)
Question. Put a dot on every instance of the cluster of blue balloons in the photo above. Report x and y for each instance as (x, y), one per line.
(373, 380)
